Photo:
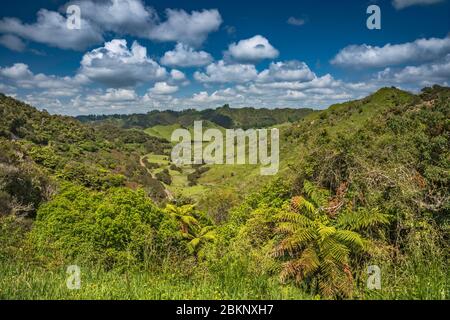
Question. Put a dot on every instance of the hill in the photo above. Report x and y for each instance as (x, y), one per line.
(363, 185)
(37, 147)
(224, 117)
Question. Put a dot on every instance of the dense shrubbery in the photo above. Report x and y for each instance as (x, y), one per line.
(119, 226)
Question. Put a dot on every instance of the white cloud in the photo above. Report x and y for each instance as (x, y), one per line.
(401, 4)
(219, 97)
(115, 95)
(437, 72)
(123, 17)
(222, 72)
(19, 75)
(116, 66)
(119, 16)
(16, 72)
(254, 49)
(286, 71)
(163, 88)
(51, 29)
(177, 75)
(12, 43)
(185, 56)
(191, 29)
(294, 95)
(371, 56)
(135, 18)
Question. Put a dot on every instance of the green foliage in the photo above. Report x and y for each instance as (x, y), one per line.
(119, 226)
(164, 176)
(365, 182)
(12, 235)
(98, 157)
(194, 226)
(316, 249)
(224, 116)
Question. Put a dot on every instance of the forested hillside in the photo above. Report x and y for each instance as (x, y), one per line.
(37, 149)
(224, 116)
(362, 183)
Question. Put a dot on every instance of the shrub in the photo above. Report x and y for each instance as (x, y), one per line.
(164, 176)
(119, 226)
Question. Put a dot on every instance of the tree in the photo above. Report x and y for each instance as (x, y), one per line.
(191, 228)
(316, 248)
(183, 215)
(198, 237)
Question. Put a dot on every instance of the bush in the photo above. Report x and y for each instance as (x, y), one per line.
(164, 176)
(116, 227)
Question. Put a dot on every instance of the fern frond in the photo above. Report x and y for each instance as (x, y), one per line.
(362, 219)
(334, 250)
(318, 196)
(292, 217)
(189, 220)
(301, 205)
(325, 231)
(350, 238)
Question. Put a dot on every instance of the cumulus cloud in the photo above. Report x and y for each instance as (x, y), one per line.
(12, 43)
(185, 56)
(123, 17)
(294, 95)
(17, 71)
(286, 71)
(254, 49)
(222, 72)
(181, 26)
(134, 18)
(20, 75)
(203, 98)
(278, 72)
(401, 4)
(427, 74)
(372, 56)
(114, 95)
(120, 95)
(119, 16)
(51, 29)
(163, 88)
(117, 66)
(177, 75)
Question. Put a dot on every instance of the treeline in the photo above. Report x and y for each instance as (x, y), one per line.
(224, 116)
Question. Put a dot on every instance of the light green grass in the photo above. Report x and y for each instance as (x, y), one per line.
(30, 282)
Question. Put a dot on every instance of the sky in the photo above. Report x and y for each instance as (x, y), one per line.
(134, 56)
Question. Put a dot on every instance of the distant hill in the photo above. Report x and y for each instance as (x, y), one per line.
(37, 149)
(224, 116)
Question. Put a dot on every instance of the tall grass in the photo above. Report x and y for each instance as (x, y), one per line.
(23, 281)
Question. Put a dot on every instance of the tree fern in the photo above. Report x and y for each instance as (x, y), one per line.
(190, 228)
(316, 248)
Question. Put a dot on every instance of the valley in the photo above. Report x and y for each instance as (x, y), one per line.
(360, 183)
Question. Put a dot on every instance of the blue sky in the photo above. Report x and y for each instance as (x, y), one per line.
(135, 56)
